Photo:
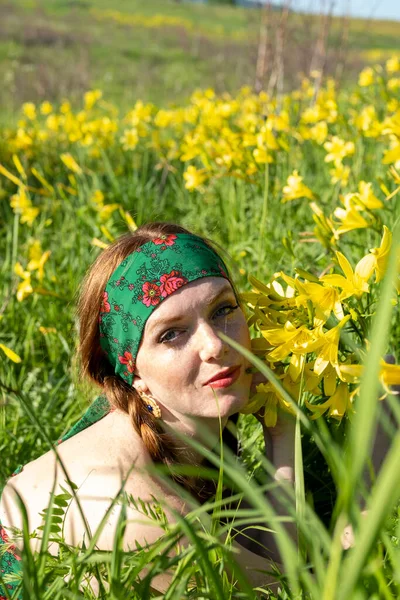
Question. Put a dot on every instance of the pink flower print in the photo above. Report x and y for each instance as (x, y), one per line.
(170, 282)
(116, 307)
(105, 305)
(222, 271)
(168, 240)
(152, 294)
(204, 272)
(153, 255)
(131, 287)
(128, 360)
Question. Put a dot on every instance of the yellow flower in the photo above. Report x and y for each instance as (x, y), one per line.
(91, 98)
(10, 354)
(319, 132)
(340, 174)
(29, 110)
(46, 108)
(353, 283)
(20, 201)
(330, 348)
(47, 330)
(338, 404)
(366, 196)
(25, 287)
(295, 188)
(70, 163)
(130, 139)
(328, 378)
(22, 205)
(38, 258)
(97, 197)
(267, 397)
(380, 255)
(338, 149)
(388, 374)
(324, 298)
(193, 177)
(106, 211)
(393, 64)
(29, 215)
(366, 77)
(287, 339)
(392, 155)
(262, 156)
(349, 216)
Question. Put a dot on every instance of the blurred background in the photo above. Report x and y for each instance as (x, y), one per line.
(160, 50)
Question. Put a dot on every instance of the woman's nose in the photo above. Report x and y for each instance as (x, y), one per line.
(211, 346)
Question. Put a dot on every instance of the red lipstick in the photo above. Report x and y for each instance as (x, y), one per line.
(224, 378)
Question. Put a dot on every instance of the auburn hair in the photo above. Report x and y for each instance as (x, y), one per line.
(93, 362)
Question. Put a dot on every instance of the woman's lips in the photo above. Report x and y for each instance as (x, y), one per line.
(225, 380)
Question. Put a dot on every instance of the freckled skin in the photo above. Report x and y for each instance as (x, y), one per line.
(174, 372)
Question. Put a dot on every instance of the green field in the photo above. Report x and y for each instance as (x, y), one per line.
(107, 125)
(160, 50)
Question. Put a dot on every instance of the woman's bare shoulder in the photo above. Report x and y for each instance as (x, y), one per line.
(96, 460)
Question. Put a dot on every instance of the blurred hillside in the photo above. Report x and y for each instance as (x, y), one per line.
(160, 50)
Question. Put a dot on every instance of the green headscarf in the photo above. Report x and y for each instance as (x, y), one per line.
(140, 283)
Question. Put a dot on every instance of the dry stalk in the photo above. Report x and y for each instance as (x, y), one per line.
(263, 52)
(276, 78)
(318, 59)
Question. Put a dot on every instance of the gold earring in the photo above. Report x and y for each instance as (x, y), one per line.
(151, 405)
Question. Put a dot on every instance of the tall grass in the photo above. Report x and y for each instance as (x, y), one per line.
(41, 397)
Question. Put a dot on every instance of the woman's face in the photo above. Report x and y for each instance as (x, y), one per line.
(181, 351)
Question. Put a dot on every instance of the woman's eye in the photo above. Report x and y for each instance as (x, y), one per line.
(226, 310)
(168, 336)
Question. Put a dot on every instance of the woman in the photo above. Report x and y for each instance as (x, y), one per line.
(150, 311)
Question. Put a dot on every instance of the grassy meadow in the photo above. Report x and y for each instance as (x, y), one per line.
(110, 121)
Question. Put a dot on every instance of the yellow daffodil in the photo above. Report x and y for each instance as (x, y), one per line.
(337, 149)
(295, 188)
(97, 198)
(267, 397)
(130, 139)
(106, 211)
(366, 196)
(380, 255)
(366, 77)
(46, 108)
(29, 110)
(353, 283)
(338, 404)
(91, 98)
(22, 205)
(10, 354)
(340, 174)
(25, 287)
(328, 378)
(392, 156)
(287, 339)
(193, 177)
(47, 330)
(38, 258)
(350, 217)
(389, 374)
(393, 64)
(70, 163)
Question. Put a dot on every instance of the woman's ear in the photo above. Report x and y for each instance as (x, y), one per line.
(139, 384)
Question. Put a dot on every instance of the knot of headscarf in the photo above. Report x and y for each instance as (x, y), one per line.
(140, 283)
